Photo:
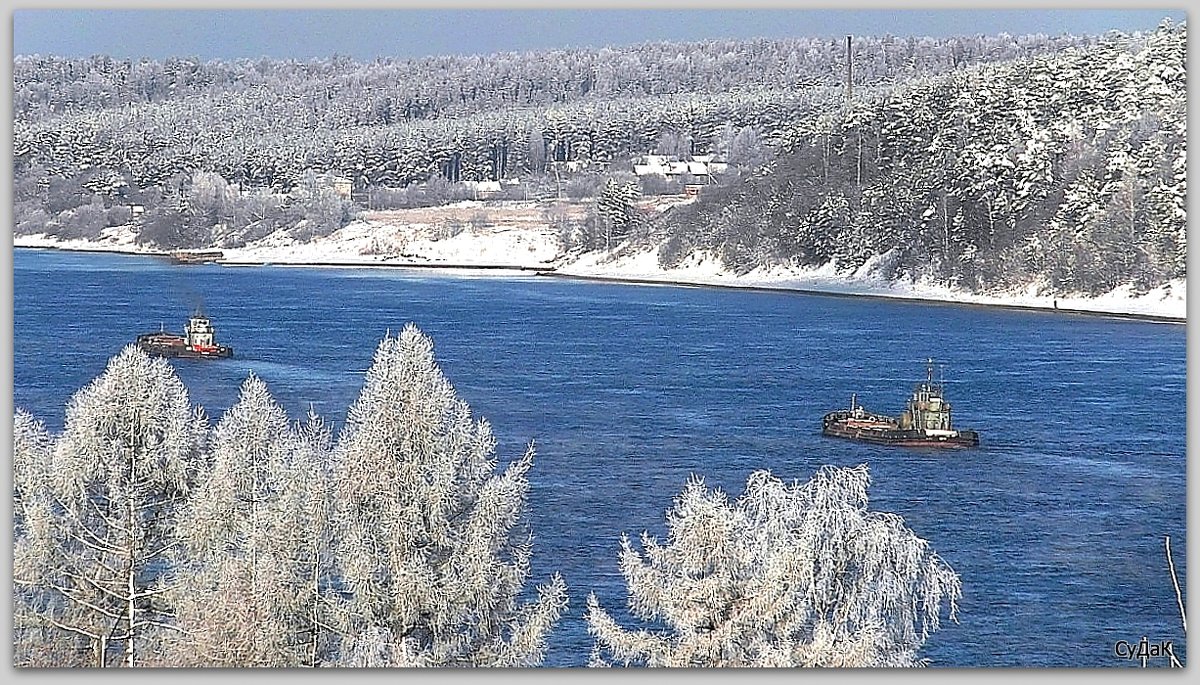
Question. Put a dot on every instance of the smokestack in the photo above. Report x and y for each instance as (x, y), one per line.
(849, 72)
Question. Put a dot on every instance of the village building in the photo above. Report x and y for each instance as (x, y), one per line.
(342, 186)
(701, 167)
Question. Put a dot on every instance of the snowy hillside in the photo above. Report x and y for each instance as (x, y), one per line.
(1065, 171)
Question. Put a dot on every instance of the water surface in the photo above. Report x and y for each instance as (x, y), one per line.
(1055, 523)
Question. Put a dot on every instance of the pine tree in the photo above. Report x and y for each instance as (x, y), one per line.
(786, 575)
(616, 209)
(432, 546)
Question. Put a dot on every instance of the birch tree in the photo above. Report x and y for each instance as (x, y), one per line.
(785, 575)
(256, 565)
(433, 547)
(90, 572)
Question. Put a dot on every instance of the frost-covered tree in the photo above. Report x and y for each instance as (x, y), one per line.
(324, 210)
(785, 575)
(256, 564)
(616, 208)
(432, 544)
(209, 197)
(37, 640)
(746, 149)
(95, 526)
(674, 144)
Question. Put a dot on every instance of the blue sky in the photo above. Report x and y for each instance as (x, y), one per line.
(367, 34)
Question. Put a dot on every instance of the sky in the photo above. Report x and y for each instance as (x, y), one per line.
(366, 34)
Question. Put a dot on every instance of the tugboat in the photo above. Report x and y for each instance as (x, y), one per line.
(925, 421)
(197, 341)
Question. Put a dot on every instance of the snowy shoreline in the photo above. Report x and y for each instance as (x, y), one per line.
(1160, 318)
(510, 252)
(1167, 303)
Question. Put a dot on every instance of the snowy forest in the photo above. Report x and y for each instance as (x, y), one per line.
(146, 537)
(1067, 170)
(980, 162)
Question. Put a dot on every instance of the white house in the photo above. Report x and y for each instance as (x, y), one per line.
(342, 186)
(484, 189)
(701, 166)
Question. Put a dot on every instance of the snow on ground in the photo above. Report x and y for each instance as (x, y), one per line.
(363, 242)
(112, 239)
(517, 236)
(463, 234)
(1169, 300)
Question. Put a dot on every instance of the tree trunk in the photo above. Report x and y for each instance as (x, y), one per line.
(858, 178)
(131, 571)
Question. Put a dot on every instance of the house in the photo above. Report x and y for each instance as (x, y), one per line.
(484, 189)
(699, 166)
(342, 186)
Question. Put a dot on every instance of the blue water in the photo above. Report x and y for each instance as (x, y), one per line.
(1055, 523)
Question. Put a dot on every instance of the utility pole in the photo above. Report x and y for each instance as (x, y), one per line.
(849, 71)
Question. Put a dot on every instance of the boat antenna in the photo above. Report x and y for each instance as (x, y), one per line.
(929, 370)
(853, 397)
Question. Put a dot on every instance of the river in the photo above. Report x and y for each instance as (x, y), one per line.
(1055, 523)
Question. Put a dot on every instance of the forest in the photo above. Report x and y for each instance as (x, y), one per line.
(1066, 171)
(979, 162)
(118, 129)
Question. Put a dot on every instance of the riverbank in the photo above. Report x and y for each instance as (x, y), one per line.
(915, 300)
(1167, 303)
(504, 250)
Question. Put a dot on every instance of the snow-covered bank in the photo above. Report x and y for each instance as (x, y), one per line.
(112, 239)
(520, 243)
(1167, 301)
(383, 240)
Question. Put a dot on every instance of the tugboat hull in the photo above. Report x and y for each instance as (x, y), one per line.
(176, 346)
(185, 353)
(901, 438)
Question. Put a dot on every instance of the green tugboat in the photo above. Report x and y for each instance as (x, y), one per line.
(197, 342)
(925, 421)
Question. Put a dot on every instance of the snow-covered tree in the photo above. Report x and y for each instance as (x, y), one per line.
(37, 641)
(1059, 171)
(432, 545)
(95, 526)
(256, 560)
(616, 208)
(785, 575)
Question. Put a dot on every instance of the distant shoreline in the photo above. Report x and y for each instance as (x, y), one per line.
(551, 272)
(105, 250)
(1158, 318)
(390, 265)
